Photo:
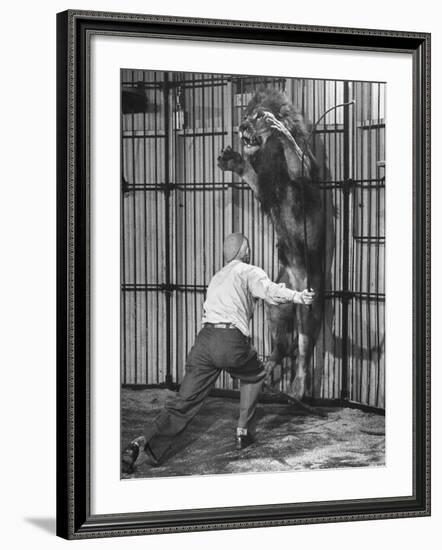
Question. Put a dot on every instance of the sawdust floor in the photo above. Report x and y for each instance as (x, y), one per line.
(287, 439)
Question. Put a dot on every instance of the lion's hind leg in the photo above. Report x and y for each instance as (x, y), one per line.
(309, 324)
(282, 330)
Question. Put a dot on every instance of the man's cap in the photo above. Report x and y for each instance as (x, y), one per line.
(232, 246)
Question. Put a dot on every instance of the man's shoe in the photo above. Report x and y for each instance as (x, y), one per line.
(136, 453)
(130, 454)
(243, 439)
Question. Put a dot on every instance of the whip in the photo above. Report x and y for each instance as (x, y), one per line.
(304, 151)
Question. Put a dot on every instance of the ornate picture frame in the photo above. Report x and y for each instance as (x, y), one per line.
(75, 217)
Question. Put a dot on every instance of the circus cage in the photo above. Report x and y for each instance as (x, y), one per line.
(176, 208)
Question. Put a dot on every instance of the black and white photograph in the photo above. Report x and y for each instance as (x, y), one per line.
(252, 271)
(220, 276)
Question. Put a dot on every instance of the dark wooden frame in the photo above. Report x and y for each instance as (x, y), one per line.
(74, 519)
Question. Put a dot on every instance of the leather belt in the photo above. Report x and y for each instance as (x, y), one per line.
(220, 325)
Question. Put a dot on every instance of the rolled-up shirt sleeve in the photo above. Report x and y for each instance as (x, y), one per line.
(273, 293)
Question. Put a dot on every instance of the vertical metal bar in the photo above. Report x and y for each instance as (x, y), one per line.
(354, 248)
(222, 147)
(316, 103)
(242, 187)
(167, 189)
(336, 284)
(146, 326)
(361, 246)
(194, 76)
(260, 216)
(233, 111)
(213, 178)
(378, 245)
(176, 143)
(369, 237)
(322, 177)
(134, 239)
(345, 242)
(227, 101)
(202, 227)
(184, 240)
(337, 275)
(157, 261)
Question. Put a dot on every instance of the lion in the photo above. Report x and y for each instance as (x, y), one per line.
(279, 166)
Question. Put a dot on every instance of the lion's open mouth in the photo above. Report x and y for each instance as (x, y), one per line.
(250, 139)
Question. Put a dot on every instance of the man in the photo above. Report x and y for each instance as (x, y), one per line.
(222, 344)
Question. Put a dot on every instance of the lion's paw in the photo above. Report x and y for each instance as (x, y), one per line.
(278, 126)
(231, 161)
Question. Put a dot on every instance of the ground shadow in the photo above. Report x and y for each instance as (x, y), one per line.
(45, 524)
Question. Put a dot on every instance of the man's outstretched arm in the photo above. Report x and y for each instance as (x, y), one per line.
(261, 286)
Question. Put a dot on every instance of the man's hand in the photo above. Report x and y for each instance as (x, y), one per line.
(307, 297)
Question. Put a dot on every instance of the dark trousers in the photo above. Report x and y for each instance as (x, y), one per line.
(215, 349)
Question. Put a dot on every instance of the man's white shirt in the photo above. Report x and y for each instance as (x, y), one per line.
(234, 290)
